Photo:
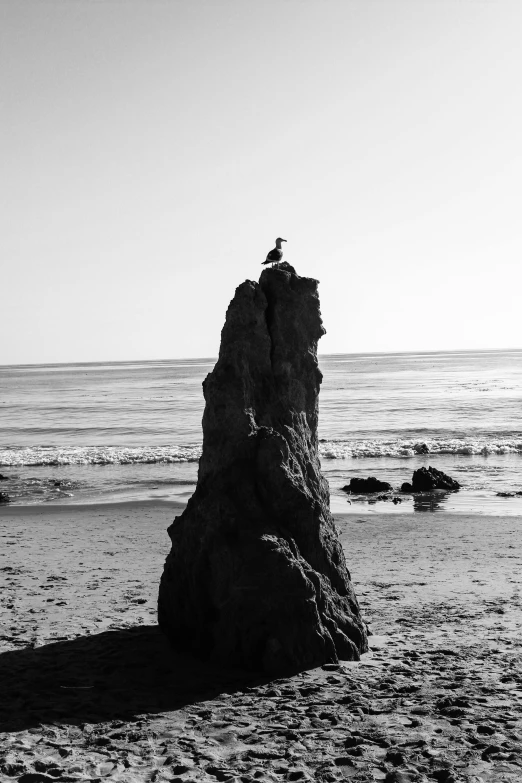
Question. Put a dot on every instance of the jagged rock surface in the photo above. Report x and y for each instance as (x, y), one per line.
(256, 575)
(426, 479)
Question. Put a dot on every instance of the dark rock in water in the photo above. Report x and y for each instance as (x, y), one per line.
(396, 500)
(406, 487)
(421, 448)
(256, 576)
(4, 478)
(513, 494)
(4, 497)
(426, 479)
(361, 486)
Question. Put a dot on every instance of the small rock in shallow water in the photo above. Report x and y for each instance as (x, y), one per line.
(426, 479)
(365, 486)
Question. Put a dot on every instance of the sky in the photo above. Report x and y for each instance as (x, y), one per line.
(152, 150)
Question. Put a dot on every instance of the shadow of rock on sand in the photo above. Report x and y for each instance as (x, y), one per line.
(112, 675)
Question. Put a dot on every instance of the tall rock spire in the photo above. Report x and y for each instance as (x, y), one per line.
(256, 575)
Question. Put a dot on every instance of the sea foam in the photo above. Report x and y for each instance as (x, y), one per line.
(334, 449)
(328, 449)
(39, 456)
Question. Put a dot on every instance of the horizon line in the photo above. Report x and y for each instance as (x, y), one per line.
(208, 359)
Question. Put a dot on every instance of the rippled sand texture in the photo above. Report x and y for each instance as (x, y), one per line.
(91, 690)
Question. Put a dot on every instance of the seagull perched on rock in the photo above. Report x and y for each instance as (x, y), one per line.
(275, 255)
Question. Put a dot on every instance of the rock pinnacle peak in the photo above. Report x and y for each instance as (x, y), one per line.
(257, 576)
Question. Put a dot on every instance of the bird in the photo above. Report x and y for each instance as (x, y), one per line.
(275, 255)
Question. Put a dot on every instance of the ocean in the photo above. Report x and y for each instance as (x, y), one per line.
(124, 431)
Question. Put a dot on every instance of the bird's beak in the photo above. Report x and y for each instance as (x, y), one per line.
(283, 240)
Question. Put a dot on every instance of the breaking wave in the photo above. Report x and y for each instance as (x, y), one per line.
(329, 449)
(334, 449)
(39, 456)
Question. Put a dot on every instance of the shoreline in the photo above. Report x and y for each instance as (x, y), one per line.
(463, 503)
(481, 478)
(44, 509)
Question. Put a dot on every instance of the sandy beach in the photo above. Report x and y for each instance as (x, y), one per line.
(262, 273)
(91, 690)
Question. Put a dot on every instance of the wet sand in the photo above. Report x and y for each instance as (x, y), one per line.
(91, 690)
